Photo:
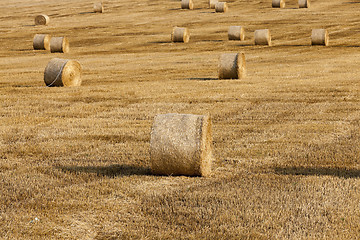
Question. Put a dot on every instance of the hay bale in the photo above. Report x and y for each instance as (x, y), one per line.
(212, 3)
(278, 3)
(304, 3)
(232, 66)
(187, 4)
(98, 7)
(62, 72)
(42, 20)
(59, 44)
(319, 37)
(221, 7)
(180, 35)
(262, 37)
(181, 144)
(236, 33)
(41, 42)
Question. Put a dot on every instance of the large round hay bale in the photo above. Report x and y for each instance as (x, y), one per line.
(187, 4)
(59, 44)
(304, 3)
(232, 66)
(278, 3)
(41, 42)
(98, 7)
(212, 3)
(181, 144)
(221, 7)
(319, 37)
(62, 72)
(42, 19)
(180, 35)
(236, 33)
(262, 37)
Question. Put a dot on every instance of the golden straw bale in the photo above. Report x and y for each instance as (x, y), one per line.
(98, 7)
(41, 42)
(236, 33)
(62, 72)
(221, 7)
(181, 144)
(42, 19)
(304, 3)
(232, 66)
(319, 37)
(212, 3)
(187, 4)
(278, 3)
(180, 35)
(59, 44)
(262, 37)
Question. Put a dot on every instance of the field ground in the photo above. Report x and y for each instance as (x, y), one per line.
(74, 162)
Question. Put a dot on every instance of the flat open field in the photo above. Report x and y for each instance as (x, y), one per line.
(75, 163)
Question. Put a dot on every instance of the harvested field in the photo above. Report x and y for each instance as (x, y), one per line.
(75, 162)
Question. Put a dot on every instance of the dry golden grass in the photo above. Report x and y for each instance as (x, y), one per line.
(74, 162)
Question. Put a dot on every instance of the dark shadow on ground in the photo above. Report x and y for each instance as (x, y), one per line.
(161, 42)
(203, 79)
(318, 171)
(108, 171)
(86, 12)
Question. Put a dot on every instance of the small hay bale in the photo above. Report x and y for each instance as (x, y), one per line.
(319, 37)
(212, 3)
(42, 20)
(181, 144)
(187, 4)
(262, 37)
(41, 42)
(221, 7)
(98, 7)
(62, 72)
(180, 35)
(236, 33)
(59, 44)
(232, 66)
(304, 3)
(278, 3)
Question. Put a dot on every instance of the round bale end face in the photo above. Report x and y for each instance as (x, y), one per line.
(319, 37)
(42, 20)
(232, 66)
(62, 72)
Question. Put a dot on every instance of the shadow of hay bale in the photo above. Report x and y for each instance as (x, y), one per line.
(108, 171)
(318, 171)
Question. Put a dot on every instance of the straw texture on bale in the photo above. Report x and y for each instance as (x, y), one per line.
(212, 3)
(181, 144)
(180, 35)
(278, 3)
(221, 7)
(42, 20)
(304, 3)
(236, 33)
(262, 37)
(98, 7)
(59, 44)
(41, 42)
(62, 72)
(187, 4)
(319, 37)
(232, 66)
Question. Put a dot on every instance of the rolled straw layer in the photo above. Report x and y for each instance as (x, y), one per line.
(262, 37)
(98, 7)
(187, 4)
(180, 35)
(181, 144)
(304, 3)
(278, 3)
(236, 33)
(59, 44)
(319, 37)
(62, 72)
(232, 66)
(42, 20)
(212, 3)
(41, 42)
(221, 7)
